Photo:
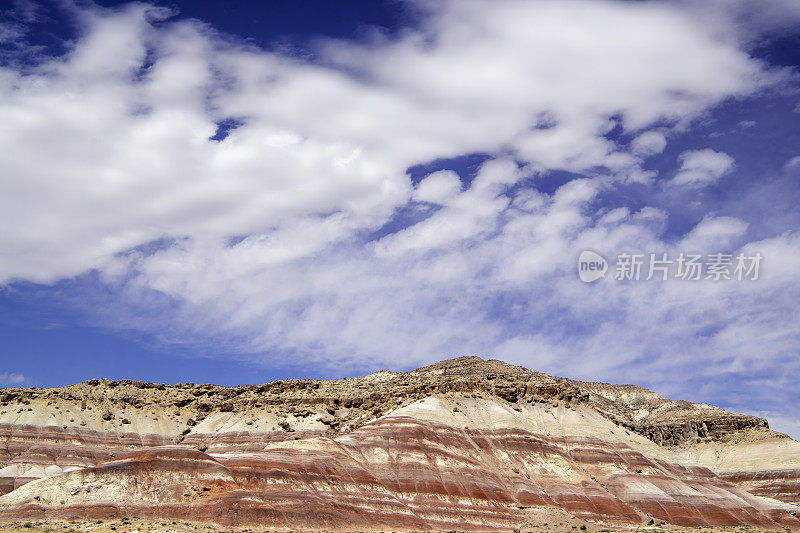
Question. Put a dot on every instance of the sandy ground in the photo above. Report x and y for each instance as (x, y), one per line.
(136, 525)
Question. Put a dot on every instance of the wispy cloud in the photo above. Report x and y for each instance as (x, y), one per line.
(276, 189)
(13, 379)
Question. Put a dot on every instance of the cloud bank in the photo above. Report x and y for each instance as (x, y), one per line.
(230, 195)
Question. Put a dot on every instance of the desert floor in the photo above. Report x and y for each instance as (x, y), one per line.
(135, 525)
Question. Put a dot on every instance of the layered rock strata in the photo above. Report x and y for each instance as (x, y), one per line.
(464, 444)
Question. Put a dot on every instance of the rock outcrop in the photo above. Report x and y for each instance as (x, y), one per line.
(665, 421)
(464, 444)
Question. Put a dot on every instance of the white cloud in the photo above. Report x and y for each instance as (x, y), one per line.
(751, 20)
(129, 158)
(438, 188)
(13, 379)
(714, 234)
(649, 143)
(793, 163)
(702, 167)
(274, 237)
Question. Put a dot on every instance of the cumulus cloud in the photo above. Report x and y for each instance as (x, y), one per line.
(232, 196)
(714, 231)
(438, 188)
(649, 143)
(702, 167)
(126, 118)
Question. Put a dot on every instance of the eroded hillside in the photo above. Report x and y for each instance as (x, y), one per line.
(462, 444)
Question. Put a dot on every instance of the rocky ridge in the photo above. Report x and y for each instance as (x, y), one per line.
(236, 456)
(350, 403)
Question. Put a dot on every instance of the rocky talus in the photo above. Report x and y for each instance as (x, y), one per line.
(464, 444)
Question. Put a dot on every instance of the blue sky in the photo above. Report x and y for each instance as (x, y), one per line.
(244, 193)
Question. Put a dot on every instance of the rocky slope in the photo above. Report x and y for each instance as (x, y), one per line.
(463, 444)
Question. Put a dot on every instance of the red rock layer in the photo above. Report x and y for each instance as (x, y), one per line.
(398, 473)
(783, 485)
(31, 449)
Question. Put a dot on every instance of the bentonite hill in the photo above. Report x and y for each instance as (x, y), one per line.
(464, 444)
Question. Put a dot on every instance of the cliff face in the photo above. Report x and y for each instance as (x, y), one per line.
(665, 421)
(463, 444)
